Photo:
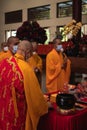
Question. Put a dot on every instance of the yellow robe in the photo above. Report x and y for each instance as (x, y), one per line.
(36, 104)
(35, 61)
(5, 55)
(2, 52)
(55, 75)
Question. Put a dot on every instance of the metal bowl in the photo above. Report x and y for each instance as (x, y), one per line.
(65, 101)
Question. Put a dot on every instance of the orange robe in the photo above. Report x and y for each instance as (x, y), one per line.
(2, 52)
(36, 62)
(55, 75)
(21, 99)
(5, 55)
(36, 104)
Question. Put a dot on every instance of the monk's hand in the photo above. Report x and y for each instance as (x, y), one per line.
(46, 97)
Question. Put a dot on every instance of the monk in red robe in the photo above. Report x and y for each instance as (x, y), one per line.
(21, 100)
(57, 68)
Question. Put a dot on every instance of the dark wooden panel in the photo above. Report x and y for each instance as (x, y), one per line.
(78, 64)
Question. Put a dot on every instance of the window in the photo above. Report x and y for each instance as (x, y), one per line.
(9, 33)
(64, 9)
(39, 13)
(13, 17)
(84, 29)
(48, 35)
(60, 30)
(84, 6)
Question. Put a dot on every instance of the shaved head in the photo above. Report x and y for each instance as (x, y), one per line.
(25, 45)
(25, 48)
(12, 40)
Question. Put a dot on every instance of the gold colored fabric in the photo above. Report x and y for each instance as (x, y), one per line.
(5, 55)
(55, 75)
(35, 61)
(36, 104)
(2, 52)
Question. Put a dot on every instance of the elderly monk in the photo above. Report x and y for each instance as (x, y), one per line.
(57, 68)
(35, 62)
(21, 100)
(12, 44)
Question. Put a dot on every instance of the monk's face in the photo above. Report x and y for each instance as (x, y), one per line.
(58, 45)
(58, 42)
(14, 42)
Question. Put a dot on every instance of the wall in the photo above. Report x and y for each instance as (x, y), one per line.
(12, 5)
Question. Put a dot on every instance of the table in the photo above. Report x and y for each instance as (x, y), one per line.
(55, 121)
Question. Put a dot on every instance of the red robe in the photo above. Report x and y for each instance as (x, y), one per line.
(21, 99)
(12, 111)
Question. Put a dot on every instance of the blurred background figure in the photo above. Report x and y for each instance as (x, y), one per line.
(12, 44)
(35, 61)
(84, 50)
(4, 48)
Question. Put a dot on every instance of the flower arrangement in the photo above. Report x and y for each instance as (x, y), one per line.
(69, 27)
(31, 31)
(72, 28)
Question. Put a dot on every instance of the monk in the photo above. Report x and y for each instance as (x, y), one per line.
(57, 68)
(4, 48)
(12, 43)
(35, 62)
(21, 99)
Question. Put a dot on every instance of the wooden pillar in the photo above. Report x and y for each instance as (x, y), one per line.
(77, 10)
(77, 13)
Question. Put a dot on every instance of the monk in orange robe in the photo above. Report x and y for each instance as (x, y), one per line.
(35, 62)
(12, 43)
(4, 48)
(21, 100)
(57, 68)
